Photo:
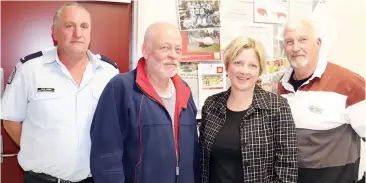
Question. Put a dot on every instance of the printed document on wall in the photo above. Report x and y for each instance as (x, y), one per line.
(188, 71)
(270, 11)
(235, 15)
(237, 20)
(264, 34)
(261, 32)
(211, 80)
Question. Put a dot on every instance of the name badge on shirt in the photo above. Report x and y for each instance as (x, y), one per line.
(45, 90)
(315, 109)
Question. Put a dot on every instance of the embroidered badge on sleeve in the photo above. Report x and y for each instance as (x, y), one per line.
(12, 75)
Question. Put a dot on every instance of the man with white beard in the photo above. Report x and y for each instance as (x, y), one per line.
(326, 103)
(144, 127)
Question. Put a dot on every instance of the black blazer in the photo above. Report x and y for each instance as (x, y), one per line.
(267, 136)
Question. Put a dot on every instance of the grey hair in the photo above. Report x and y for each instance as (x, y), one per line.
(147, 36)
(296, 21)
(56, 17)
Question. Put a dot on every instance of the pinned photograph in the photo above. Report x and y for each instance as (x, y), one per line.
(212, 81)
(196, 14)
(203, 44)
(278, 65)
(205, 40)
(188, 71)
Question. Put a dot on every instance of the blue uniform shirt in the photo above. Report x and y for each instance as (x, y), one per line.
(56, 113)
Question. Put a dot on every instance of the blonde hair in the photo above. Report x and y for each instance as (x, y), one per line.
(236, 46)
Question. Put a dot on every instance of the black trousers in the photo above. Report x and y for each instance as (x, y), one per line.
(31, 177)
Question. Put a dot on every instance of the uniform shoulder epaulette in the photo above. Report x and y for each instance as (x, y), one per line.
(31, 56)
(108, 60)
(22, 61)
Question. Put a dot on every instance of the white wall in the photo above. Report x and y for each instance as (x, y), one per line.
(348, 48)
(148, 12)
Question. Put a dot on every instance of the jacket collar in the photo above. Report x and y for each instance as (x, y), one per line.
(258, 102)
(183, 92)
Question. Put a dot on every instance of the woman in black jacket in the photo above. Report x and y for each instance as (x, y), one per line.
(247, 134)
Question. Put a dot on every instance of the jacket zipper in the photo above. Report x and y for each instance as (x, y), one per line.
(176, 153)
(176, 173)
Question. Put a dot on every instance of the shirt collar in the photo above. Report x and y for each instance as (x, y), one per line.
(52, 56)
(94, 59)
(320, 68)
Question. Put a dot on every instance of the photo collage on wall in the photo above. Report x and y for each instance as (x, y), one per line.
(199, 22)
(208, 26)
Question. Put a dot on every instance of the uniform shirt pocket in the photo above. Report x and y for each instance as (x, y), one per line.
(44, 103)
(46, 96)
(45, 108)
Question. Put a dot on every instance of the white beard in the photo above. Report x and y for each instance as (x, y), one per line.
(170, 74)
(298, 64)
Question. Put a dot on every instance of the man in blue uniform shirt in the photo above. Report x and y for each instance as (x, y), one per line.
(50, 100)
(144, 128)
